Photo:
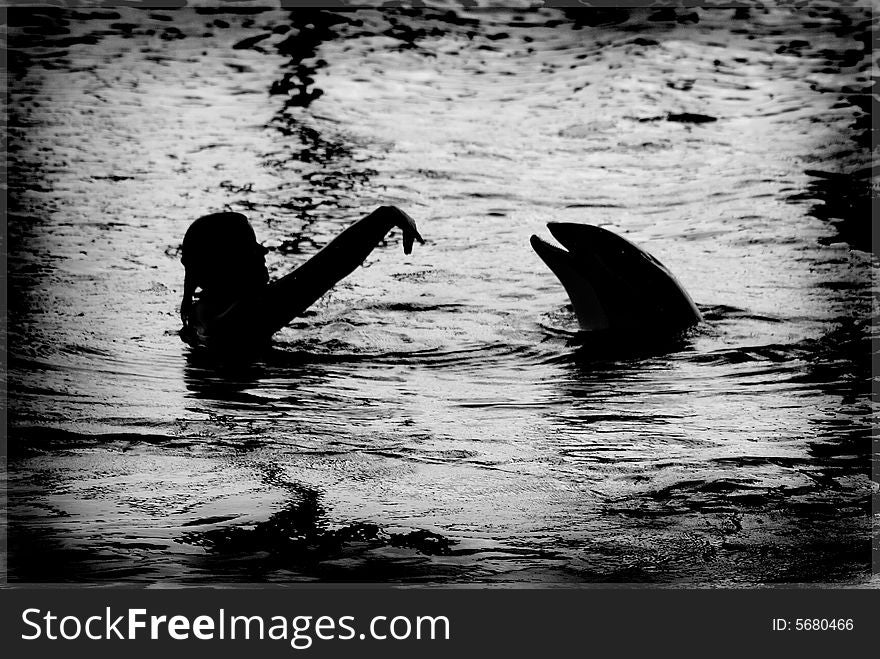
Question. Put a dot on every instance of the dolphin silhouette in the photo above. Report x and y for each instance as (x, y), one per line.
(613, 284)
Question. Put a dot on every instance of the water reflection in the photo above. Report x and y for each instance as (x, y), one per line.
(302, 539)
(316, 156)
(845, 200)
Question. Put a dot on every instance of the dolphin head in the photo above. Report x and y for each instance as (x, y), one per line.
(612, 283)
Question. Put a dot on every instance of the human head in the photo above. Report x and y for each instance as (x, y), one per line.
(220, 252)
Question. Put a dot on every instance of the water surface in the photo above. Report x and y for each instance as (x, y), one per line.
(437, 417)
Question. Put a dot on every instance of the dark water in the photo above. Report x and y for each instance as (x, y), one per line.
(437, 417)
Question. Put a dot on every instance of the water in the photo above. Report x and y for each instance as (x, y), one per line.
(436, 417)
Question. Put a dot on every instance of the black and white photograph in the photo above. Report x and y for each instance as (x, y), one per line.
(440, 295)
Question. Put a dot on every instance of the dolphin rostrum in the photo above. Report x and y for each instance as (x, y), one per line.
(614, 285)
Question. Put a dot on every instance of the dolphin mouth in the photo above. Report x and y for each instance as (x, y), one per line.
(584, 246)
(565, 258)
(548, 251)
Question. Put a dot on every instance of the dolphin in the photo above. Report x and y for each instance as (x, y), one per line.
(615, 286)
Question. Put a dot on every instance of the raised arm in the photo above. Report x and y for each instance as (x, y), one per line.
(291, 295)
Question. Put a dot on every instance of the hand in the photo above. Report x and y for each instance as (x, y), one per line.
(406, 224)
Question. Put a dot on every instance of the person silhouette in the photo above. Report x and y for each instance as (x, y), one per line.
(228, 300)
